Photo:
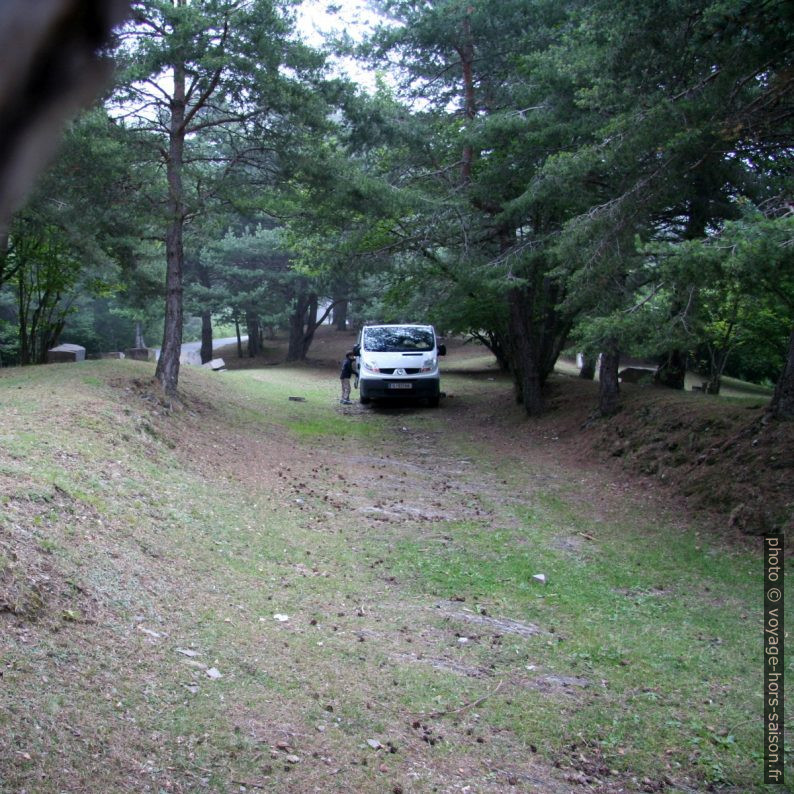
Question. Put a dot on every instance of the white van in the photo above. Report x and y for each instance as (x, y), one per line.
(399, 361)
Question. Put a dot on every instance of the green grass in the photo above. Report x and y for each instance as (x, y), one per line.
(664, 617)
(668, 626)
(314, 415)
(659, 617)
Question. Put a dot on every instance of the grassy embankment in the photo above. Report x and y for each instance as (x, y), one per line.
(401, 547)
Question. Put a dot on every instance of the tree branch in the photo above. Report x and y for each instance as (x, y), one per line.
(213, 84)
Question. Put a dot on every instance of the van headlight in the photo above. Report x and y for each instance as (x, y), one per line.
(370, 366)
(429, 364)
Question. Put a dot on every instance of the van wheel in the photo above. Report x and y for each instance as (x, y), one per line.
(433, 401)
(364, 400)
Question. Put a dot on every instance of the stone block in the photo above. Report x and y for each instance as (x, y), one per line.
(137, 353)
(216, 365)
(65, 353)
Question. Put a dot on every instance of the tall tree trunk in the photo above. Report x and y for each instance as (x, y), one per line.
(782, 405)
(303, 323)
(254, 335)
(537, 332)
(523, 343)
(466, 53)
(717, 361)
(718, 353)
(6, 270)
(312, 324)
(51, 331)
(672, 371)
(608, 385)
(139, 343)
(588, 368)
(22, 319)
(498, 345)
(206, 336)
(297, 322)
(497, 342)
(203, 276)
(340, 314)
(168, 364)
(239, 337)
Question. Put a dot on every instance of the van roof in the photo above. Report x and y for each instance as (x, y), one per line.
(397, 325)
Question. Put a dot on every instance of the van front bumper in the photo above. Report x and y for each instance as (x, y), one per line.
(398, 388)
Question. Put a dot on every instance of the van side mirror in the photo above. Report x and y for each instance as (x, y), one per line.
(357, 349)
(442, 350)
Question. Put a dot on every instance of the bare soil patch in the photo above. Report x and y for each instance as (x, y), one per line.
(722, 459)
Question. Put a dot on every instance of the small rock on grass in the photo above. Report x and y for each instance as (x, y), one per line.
(374, 744)
(213, 673)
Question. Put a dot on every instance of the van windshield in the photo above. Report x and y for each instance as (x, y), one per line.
(402, 339)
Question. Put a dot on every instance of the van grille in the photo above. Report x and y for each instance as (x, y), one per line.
(390, 371)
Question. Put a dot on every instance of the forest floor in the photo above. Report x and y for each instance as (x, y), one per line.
(248, 592)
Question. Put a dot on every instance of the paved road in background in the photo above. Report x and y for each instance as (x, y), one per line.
(190, 347)
(194, 347)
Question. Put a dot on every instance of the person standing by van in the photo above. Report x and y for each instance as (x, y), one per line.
(345, 375)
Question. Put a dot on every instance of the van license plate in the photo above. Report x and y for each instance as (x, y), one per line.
(400, 385)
